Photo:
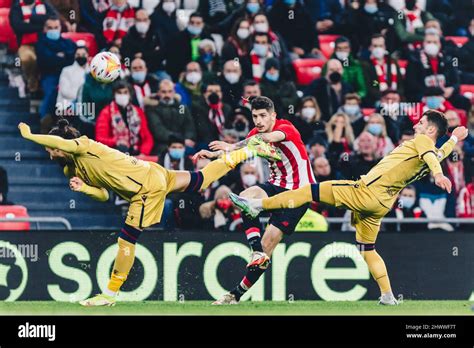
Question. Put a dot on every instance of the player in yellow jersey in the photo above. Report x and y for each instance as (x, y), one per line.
(94, 169)
(372, 196)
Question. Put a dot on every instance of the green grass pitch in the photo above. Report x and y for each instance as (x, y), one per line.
(244, 308)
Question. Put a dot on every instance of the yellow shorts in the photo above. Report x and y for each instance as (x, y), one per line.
(367, 212)
(146, 207)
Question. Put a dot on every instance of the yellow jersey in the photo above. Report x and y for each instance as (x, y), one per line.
(407, 163)
(101, 166)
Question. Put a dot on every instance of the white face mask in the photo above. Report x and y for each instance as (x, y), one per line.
(194, 77)
(122, 99)
(431, 49)
(432, 30)
(308, 113)
(243, 33)
(342, 55)
(249, 179)
(406, 202)
(261, 27)
(378, 52)
(142, 27)
(232, 78)
(169, 7)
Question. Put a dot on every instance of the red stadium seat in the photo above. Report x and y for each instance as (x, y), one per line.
(467, 91)
(403, 63)
(88, 38)
(5, 3)
(307, 70)
(7, 36)
(14, 211)
(368, 111)
(458, 40)
(326, 44)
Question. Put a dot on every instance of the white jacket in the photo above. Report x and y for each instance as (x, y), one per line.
(71, 79)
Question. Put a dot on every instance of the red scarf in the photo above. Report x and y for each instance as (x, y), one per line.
(116, 24)
(257, 67)
(27, 11)
(216, 116)
(382, 74)
(413, 22)
(123, 134)
(141, 92)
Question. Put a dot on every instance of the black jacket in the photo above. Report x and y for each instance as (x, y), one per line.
(149, 46)
(205, 130)
(355, 166)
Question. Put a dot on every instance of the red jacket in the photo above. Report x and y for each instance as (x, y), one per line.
(104, 130)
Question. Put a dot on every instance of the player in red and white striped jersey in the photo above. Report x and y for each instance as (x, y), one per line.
(290, 173)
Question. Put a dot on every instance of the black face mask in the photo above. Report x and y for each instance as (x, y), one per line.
(410, 4)
(240, 126)
(335, 77)
(213, 98)
(29, 2)
(81, 61)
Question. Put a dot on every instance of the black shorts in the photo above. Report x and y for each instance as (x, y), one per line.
(284, 219)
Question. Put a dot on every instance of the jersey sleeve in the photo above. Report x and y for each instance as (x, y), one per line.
(83, 144)
(288, 129)
(252, 133)
(427, 152)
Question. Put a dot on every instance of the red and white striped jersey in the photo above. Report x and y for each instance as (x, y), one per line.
(294, 170)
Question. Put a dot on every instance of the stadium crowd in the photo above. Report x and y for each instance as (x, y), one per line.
(189, 69)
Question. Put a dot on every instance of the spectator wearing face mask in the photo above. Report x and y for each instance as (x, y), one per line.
(208, 59)
(376, 126)
(220, 212)
(361, 160)
(174, 158)
(277, 88)
(259, 54)
(432, 68)
(184, 46)
(307, 119)
(433, 99)
(142, 42)
(323, 171)
(54, 53)
(144, 85)
(329, 90)
(248, 10)
(352, 74)
(122, 125)
(409, 26)
(237, 47)
(211, 115)
(189, 85)
(340, 137)
(291, 19)
(231, 82)
(406, 207)
(118, 20)
(395, 114)
(165, 22)
(241, 123)
(71, 80)
(248, 176)
(351, 108)
(381, 71)
(168, 117)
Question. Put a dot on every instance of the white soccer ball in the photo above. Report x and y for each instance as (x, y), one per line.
(105, 67)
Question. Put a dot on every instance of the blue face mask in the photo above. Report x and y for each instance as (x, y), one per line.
(176, 154)
(253, 7)
(260, 49)
(433, 102)
(375, 129)
(139, 76)
(351, 109)
(289, 2)
(272, 77)
(53, 34)
(207, 58)
(193, 30)
(371, 8)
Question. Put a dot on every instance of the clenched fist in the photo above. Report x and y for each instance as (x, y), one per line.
(75, 184)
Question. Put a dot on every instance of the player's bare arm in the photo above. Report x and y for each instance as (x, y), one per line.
(272, 137)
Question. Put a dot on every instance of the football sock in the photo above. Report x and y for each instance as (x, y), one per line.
(253, 274)
(254, 238)
(378, 270)
(221, 166)
(122, 266)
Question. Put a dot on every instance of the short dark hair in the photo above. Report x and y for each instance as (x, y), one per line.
(121, 84)
(438, 119)
(259, 33)
(64, 130)
(342, 39)
(196, 14)
(175, 139)
(266, 103)
(377, 36)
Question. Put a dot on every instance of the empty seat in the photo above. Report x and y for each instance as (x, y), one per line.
(5, 3)
(88, 38)
(327, 44)
(467, 91)
(307, 70)
(11, 212)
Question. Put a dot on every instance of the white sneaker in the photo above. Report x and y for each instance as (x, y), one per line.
(227, 299)
(249, 206)
(388, 300)
(260, 259)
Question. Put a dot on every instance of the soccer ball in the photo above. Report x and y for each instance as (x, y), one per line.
(105, 67)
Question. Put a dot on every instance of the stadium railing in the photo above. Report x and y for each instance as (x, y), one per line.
(38, 220)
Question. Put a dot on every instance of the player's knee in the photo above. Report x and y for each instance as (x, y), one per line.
(197, 182)
(129, 233)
